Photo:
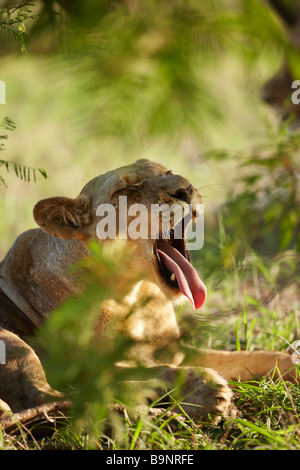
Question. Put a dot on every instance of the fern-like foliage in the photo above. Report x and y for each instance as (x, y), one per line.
(25, 173)
(12, 21)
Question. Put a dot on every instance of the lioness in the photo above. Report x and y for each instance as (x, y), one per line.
(34, 279)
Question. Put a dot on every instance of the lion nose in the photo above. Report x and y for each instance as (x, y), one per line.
(184, 194)
(181, 189)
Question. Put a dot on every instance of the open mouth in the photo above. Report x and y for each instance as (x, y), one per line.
(177, 271)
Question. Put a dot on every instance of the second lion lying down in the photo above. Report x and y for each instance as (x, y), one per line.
(35, 279)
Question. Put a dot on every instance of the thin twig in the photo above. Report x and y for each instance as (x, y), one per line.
(9, 13)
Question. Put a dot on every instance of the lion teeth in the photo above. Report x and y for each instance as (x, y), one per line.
(173, 277)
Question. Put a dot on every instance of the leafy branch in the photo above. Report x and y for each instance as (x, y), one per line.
(25, 173)
(12, 21)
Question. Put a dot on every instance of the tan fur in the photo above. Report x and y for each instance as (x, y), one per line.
(34, 279)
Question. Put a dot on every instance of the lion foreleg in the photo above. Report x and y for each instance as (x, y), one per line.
(199, 393)
(244, 365)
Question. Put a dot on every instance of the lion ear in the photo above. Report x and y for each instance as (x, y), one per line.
(63, 217)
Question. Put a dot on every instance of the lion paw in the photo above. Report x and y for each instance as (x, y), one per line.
(203, 394)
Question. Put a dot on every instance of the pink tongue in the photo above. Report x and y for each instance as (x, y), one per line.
(187, 277)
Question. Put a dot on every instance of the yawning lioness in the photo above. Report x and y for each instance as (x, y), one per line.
(34, 279)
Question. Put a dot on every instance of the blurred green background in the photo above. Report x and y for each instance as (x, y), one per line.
(94, 85)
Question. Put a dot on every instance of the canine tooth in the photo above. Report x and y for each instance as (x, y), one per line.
(173, 277)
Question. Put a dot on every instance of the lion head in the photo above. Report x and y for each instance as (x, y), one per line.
(160, 253)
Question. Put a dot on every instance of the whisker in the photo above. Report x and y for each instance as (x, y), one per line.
(208, 185)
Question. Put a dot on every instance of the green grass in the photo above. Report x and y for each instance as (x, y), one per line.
(268, 420)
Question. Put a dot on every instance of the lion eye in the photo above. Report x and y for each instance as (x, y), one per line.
(135, 186)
